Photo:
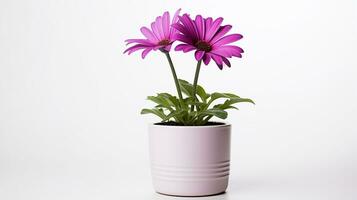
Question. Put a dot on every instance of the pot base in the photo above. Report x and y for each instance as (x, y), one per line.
(191, 196)
(187, 189)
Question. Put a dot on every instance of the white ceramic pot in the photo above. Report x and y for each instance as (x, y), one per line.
(190, 160)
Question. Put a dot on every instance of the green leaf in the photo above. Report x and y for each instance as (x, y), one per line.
(197, 103)
(186, 87)
(188, 100)
(214, 112)
(154, 99)
(158, 100)
(161, 101)
(238, 100)
(224, 106)
(202, 93)
(164, 95)
(158, 112)
(218, 95)
(176, 114)
(228, 103)
(169, 107)
(171, 100)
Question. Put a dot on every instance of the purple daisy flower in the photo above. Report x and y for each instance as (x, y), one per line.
(207, 37)
(160, 36)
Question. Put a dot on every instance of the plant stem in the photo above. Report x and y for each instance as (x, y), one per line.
(175, 77)
(195, 82)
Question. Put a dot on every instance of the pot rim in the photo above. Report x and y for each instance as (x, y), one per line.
(226, 124)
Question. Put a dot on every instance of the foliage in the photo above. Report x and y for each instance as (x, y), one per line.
(194, 109)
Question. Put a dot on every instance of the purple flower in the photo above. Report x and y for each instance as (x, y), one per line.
(160, 36)
(207, 37)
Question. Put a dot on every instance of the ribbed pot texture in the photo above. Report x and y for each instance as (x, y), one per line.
(190, 160)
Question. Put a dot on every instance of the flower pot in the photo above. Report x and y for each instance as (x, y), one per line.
(190, 160)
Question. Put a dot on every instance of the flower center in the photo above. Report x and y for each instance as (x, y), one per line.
(164, 42)
(203, 46)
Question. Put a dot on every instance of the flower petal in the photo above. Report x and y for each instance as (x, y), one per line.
(233, 48)
(183, 38)
(213, 29)
(166, 24)
(181, 29)
(148, 34)
(228, 51)
(145, 52)
(139, 41)
(180, 47)
(155, 31)
(228, 39)
(135, 48)
(220, 33)
(200, 27)
(199, 55)
(206, 59)
(158, 24)
(208, 24)
(222, 52)
(157, 47)
(226, 61)
(218, 60)
(190, 26)
(174, 20)
(188, 49)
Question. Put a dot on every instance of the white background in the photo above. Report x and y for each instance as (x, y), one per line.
(69, 99)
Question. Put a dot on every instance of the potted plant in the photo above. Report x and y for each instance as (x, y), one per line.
(189, 153)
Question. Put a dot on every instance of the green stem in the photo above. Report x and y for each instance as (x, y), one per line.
(195, 82)
(175, 77)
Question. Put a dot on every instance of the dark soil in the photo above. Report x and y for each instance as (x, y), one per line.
(171, 123)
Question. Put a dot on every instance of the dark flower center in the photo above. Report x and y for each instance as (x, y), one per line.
(164, 42)
(203, 46)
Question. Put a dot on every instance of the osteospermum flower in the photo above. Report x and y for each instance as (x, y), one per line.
(207, 37)
(160, 36)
